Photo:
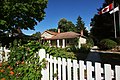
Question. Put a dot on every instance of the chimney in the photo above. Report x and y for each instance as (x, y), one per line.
(58, 30)
(81, 32)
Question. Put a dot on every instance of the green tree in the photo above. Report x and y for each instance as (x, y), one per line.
(37, 35)
(66, 25)
(23, 14)
(17, 14)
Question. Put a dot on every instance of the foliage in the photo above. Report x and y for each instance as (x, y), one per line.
(17, 14)
(22, 63)
(81, 53)
(106, 44)
(85, 49)
(80, 24)
(58, 52)
(72, 49)
(53, 29)
(37, 36)
(22, 14)
(90, 42)
(65, 25)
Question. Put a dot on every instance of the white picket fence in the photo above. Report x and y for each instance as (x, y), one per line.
(67, 69)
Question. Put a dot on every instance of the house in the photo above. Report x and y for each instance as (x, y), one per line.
(64, 39)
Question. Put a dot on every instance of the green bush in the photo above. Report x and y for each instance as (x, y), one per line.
(107, 44)
(59, 52)
(22, 64)
(71, 49)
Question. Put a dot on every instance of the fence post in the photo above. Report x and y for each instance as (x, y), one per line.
(41, 54)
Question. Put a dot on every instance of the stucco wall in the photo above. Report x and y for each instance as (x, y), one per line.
(82, 40)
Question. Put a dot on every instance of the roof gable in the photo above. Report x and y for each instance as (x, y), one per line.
(48, 34)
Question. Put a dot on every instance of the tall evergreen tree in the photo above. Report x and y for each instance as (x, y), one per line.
(80, 26)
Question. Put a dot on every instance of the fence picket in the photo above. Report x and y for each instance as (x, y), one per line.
(63, 69)
(69, 65)
(117, 72)
(55, 68)
(81, 70)
(108, 72)
(59, 68)
(75, 73)
(47, 69)
(89, 70)
(51, 68)
(98, 71)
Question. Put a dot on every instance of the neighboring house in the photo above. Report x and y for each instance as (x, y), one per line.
(63, 39)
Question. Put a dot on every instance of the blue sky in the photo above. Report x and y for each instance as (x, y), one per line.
(69, 9)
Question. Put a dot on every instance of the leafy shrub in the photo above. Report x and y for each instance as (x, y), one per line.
(71, 49)
(107, 44)
(59, 52)
(22, 63)
(81, 53)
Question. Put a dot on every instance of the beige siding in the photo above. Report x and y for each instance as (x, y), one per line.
(46, 35)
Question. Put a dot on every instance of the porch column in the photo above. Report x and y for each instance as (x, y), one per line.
(58, 43)
(49, 43)
(63, 43)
